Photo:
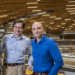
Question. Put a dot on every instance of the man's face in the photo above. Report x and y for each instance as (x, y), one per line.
(37, 30)
(18, 29)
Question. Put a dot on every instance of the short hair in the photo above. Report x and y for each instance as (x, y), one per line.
(19, 21)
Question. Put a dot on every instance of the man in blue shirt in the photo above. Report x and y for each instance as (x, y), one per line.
(47, 59)
(15, 46)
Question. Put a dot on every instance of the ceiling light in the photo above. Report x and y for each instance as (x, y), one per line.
(67, 19)
(63, 27)
(42, 13)
(3, 16)
(10, 27)
(58, 26)
(32, 3)
(52, 17)
(46, 25)
(51, 22)
(71, 1)
(28, 27)
(58, 18)
(33, 7)
(63, 23)
(12, 17)
(35, 10)
(55, 28)
(69, 8)
(73, 20)
(70, 5)
(49, 27)
(32, 21)
(42, 21)
(72, 13)
(46, 15)
(38, 0)
(71, 26)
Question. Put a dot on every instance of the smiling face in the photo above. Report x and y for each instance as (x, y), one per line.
(37, 30)
(18, 29)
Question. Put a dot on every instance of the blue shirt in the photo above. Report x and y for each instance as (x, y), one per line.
(15, 49)
(45, 54)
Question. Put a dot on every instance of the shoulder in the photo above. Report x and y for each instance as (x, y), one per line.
(50, 40)
(26, 38)
(7, 35)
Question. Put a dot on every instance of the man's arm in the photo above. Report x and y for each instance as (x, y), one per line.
(30, 58)
(56, 55)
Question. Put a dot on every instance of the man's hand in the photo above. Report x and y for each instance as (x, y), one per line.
(30, 67)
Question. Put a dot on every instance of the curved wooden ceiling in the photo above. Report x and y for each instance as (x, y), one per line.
(55, 15)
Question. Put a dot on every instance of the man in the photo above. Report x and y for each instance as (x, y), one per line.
(45, 53)
(15, 46)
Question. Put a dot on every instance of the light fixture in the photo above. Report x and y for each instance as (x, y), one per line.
(58, 18)
(52, 17)
(58, 26)
(46, 25)
(46, 15)
(69, 8)
(67, 19)
(35, 10)
(28, 27)
(72, 13)
(3, 15)
(42, 13)
(12, 17)
(73, 20)
(51, 22)
(71, 26)
(42, 21)
(63, 27)
(49, 27)
(32, 21)
(55, 28)
(38, 0)
(70, 5)
(32, 3)
(33, 7)
(10, 27)
(63, 23)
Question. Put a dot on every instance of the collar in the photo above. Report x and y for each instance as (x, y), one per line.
(12, 35)
(42, 39)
